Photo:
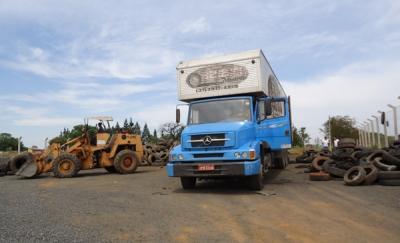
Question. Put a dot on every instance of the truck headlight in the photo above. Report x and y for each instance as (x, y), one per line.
(244, 155)
(237, 155)
(180, 156)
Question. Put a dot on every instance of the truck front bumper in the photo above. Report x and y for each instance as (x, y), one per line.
(187, 169)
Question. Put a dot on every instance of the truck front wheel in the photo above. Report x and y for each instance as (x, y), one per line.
(256, 182)
(188, 182)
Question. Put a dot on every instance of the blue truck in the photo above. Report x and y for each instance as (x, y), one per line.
(239, 120)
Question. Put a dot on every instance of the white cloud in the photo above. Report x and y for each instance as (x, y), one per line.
(195, 26)
(357, 90)
(48, 121)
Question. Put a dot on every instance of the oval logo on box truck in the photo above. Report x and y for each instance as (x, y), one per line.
(217, 75)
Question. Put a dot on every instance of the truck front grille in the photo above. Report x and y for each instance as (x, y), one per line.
(209, 155)
(208, 140)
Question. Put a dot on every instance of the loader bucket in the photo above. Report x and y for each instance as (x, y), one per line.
(28, 170)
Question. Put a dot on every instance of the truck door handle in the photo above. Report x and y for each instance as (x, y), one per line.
(286, 132)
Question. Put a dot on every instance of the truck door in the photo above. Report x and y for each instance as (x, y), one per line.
(276, 128)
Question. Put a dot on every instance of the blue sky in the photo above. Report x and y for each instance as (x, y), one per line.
(61, 61)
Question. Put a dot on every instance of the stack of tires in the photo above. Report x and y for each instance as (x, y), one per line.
(309, 155)
(358, 166)
(157, 154)
(4, 163)
(382, 166)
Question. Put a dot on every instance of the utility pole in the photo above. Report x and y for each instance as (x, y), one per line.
(19, 145)
(330, 134)
(367, 129)
(372, 131)
(45, 143)
(396, 132)
(378, 137)
(384, 128)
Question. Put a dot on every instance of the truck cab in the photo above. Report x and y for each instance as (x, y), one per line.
(241, 134)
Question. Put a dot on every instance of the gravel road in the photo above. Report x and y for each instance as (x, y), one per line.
(149, 206)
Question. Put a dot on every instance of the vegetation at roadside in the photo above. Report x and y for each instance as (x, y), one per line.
(340, 127)
(168, 130)
(9, 143)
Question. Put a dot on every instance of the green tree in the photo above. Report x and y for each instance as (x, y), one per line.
(9, 143)
(146, 133)
(76, 131)
(117, 127)
(171, 130)
(340, 127)
(300, 137)
(126, 125)
(136, 129)
(297, 141)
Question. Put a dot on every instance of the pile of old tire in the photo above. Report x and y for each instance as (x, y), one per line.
(157, 154)
(4, 165)
(382, 166)
(309, 155)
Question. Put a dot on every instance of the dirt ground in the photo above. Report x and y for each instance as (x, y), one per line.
(149, 206)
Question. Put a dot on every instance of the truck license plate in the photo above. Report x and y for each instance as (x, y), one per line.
(205, 167)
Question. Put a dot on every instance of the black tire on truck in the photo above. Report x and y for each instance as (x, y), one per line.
(188, 183)
(256, 182)
(66, 166)
(126, 161)
(281, 160)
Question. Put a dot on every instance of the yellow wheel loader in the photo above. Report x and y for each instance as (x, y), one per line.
(120, 152)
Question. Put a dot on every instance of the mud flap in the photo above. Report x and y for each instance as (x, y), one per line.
(28, 170)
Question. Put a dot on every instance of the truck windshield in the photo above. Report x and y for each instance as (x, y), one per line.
(220, 111)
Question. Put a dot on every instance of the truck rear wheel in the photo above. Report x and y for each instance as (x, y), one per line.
(126, 162)
(188, 182)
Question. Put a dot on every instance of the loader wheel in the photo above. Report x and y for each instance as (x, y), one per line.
(66, 166)
(110, 169)
(126, 162)
(19, 160)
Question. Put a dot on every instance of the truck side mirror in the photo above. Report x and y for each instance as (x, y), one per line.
(268, 107)
(178, 115)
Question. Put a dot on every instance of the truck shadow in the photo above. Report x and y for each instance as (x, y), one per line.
(234, 186)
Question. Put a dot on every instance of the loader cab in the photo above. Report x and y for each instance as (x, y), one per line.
(103, 129)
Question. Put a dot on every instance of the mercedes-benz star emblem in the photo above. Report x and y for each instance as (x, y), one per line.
(207, 140)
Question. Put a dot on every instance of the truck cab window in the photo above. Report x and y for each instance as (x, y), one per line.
(278, 109)
(230, 110)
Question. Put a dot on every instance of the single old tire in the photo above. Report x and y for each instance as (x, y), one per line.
(389, 182)
(318, 162)
(329, 167)
(354, 176)
(379, 164)
(390, 159)
(347, 143)
(126, 161)
(66, 166)
(388, 175)
(188, 182)
(371, 174)
(319, 176)
(19, 160)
